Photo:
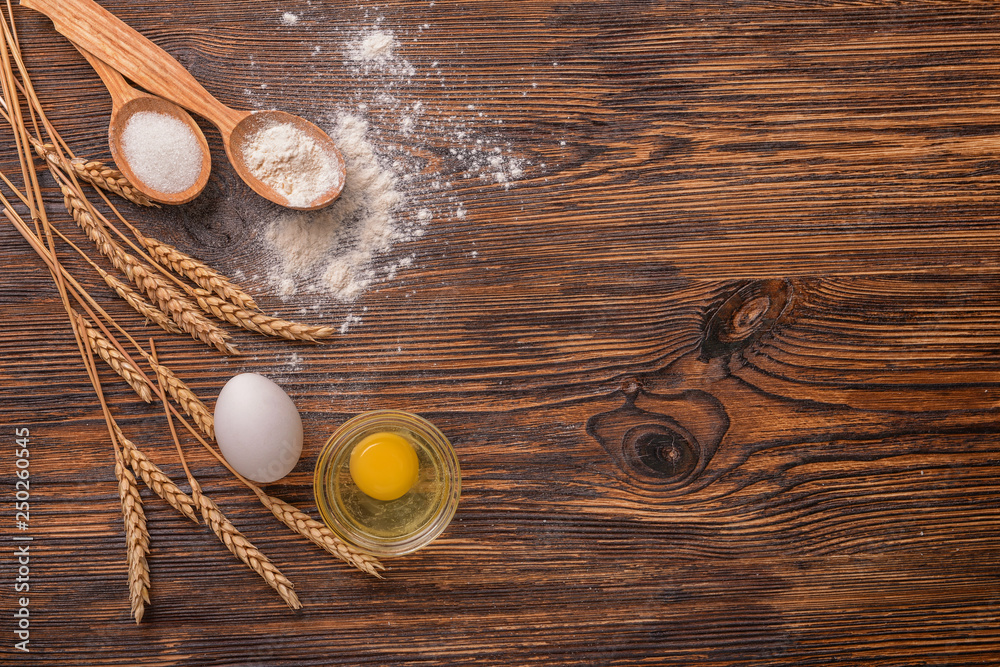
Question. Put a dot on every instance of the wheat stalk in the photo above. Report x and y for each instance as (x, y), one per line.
(197, 272)
(223, 528)
(94, 230)
(241, 547)
(162, 278)
(96, 173)
(110, 354)
(182, 311)
(259, 322)
(151, 280)
(157, 480)
(136, 537)
(110, 179)
(318, 533)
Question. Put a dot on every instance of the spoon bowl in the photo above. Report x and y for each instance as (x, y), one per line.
(126, 102)
(117, 142)
(262, 140)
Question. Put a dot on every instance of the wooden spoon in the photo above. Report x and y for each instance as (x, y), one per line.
(126, 101)
(99, 32)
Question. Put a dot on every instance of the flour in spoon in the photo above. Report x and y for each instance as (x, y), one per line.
(292, 163)
(331, 250)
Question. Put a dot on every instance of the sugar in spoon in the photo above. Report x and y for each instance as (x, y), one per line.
(127, 101)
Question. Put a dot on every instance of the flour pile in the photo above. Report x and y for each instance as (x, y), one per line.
(291, 162)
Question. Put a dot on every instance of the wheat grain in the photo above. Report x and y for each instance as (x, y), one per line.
(96, 173)
(197, 272)
(319, 534)
(241, 547)
(259, 322)
(157, 480)
(114, 358)
(136, 537)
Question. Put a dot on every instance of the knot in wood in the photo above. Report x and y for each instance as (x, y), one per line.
(661, 451)
(663, 448)
(746, 320)
(745, 316)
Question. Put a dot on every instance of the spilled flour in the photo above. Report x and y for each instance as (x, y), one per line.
(374, 47)
(332, 250)
(389, 197)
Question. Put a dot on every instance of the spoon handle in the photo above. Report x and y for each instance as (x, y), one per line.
(116, 84)
(98, 31)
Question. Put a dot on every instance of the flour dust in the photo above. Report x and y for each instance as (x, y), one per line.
(389, 196)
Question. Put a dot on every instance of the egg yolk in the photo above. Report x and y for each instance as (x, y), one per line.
(384, 466)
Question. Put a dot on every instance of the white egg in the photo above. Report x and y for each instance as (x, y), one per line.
(258, 428)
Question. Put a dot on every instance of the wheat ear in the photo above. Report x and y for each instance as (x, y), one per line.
(110, 354)
(184, 397)
(136, 537)
(318, 533)
(259, 322)
(241, 547)
(94, 230)
(183, 312)
(96, 173)
(139, 304)
(197, 272)
(157, 480)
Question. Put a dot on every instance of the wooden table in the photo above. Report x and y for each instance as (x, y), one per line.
(718, 351)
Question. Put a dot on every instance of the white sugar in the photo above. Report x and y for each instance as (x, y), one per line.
(162, 151)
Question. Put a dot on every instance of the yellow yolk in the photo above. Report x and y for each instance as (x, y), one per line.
(384, 466)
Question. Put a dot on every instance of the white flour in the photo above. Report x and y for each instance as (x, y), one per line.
(374, 47)
(291, 162)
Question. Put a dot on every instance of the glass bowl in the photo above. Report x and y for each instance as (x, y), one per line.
(393, 527)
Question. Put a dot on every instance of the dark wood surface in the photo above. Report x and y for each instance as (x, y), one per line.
(722, 366)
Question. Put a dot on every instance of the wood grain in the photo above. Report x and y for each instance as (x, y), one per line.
(720, 364)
